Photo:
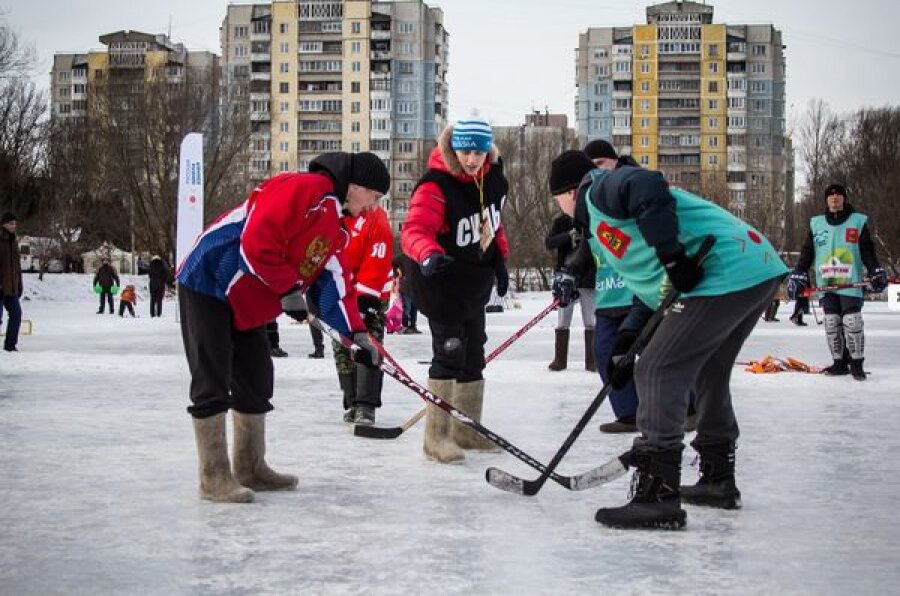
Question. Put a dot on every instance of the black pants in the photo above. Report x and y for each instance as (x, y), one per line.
(458, 349)
(272, 334)
(229, 368)
(156, 300)
(317, 338)
(106, 297)
(123, 305)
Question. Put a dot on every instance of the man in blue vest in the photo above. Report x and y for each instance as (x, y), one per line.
(649, 234)
(838, 245)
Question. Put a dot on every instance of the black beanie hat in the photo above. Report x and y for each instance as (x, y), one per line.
(367, 170)
(598, 148)
(7, 217)
(836, 189)
(567, 170)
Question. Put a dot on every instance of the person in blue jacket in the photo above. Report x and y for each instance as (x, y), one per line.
(649, 233)
(839, 245)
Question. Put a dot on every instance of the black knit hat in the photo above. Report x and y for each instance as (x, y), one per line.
(7, 217)
(598, 148)
(567, 170)
(367, 170)
(836, 189)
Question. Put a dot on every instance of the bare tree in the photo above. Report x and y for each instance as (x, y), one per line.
(529, 211)
(142, 119)
(22, 110)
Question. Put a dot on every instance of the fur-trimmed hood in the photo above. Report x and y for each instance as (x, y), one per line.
(443, 158)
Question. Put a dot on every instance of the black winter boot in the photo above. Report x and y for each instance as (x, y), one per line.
(716, 487)
(856, 369)
(839, 368)
(560, 350)
(655, 498)
(348, 387)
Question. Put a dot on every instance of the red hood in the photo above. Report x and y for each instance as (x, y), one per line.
(436, 162)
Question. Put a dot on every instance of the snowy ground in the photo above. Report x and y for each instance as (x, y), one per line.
(99, 480)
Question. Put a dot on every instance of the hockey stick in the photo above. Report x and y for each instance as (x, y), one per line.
(859, 284)
(397, 373)
(815, 312)
(510, 483)
(392, 432)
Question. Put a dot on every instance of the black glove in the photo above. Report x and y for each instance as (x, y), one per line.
(684, 272)
(294, 305)
(435, 263)
(564, 288)
(502, 277)
(367, 354)
(797, 282)
(619, 375)
(878, 280)
(368, 305)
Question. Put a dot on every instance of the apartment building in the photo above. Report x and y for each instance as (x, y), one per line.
(128, 61)
(702, 102)
(339, 75)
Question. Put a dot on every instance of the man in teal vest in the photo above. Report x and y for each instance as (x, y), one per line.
(838, 245)
(649, 234)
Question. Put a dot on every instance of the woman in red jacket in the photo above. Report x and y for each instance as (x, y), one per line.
(453, 235)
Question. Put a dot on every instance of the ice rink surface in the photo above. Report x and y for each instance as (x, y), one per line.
(99, 474)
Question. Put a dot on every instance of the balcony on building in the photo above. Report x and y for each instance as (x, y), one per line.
(260, 71)
(381, 50)
(260, 51)
(736, 50)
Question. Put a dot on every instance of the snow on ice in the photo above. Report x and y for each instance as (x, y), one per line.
(99, 479)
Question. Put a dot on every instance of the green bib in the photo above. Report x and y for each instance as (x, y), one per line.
(740, 259)
(838, 260)
(610, 290)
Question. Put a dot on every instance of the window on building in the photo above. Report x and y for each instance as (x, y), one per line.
(713, 86)
(284, 67)
(645, 122)
(285, 47)
(713, 160)
(406, 67)
(713, 49)
(241, 31)
(65, 91)
(354, 127)
(284, 87)
(645, 105)
(285, 107)
(404, 168)
(645, 67)
(356, 27)
(284, 146)
(758, 67)
(405, 147)
(406, 27)
(713, 122)
(713, 67)
(759, 49)
(713, 104)
(283, 166)
(355, 47)
(355, 147)
(645, 141)
(354, 107)
(241, 51)
(713, 141)
(283, 27)
(354, 87)
(284, 127)
(380, 145)
(645, 85)
(645, 160)
(356, 66)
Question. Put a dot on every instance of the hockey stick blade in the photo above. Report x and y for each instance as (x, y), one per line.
(390, 432)
(614, 468)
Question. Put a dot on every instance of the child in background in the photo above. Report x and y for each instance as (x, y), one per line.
(127, 300)
(394, 315)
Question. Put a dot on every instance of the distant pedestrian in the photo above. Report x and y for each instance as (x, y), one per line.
(160, 277)
(127, 300)
(10, 281)
(106, 279)
(274, 340)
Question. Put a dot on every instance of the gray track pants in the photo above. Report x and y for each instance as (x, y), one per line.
(695, 348)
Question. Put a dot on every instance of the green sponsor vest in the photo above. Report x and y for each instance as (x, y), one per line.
(610, 290)
(838, 260)
(740, 259)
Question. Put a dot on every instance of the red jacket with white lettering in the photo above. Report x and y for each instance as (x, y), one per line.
(425, 218)
(368, 255)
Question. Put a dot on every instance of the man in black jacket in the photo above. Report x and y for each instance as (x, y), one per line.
(160, 277)
(106, 277)
(565, 239)
(10, 281)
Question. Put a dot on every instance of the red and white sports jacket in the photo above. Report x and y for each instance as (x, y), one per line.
(369, 253)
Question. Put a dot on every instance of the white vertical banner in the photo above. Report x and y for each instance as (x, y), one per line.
(190, 195)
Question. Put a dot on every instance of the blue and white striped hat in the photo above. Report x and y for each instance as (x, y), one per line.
(471, 135)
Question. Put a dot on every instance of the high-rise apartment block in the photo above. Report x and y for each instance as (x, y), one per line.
(129, 61)
(339, 75)
(701, 102)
